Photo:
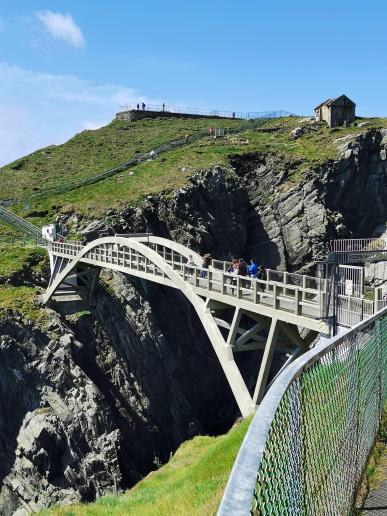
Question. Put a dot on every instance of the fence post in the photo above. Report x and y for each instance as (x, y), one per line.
(297, 301)
(274, 295)
(222, 283)
(255, 291)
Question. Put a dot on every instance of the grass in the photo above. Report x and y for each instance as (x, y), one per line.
(192, 483)
(92, 152)
(21, 300)
(376, 469)
(118, 141)
(16, 258)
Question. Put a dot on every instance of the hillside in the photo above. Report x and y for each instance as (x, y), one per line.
(191, 483)
(97, 399)
(92, 152)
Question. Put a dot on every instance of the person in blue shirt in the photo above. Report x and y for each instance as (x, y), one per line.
(253, 269)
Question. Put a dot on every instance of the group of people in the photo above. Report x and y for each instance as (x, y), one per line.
(238, 267)
(241, 268)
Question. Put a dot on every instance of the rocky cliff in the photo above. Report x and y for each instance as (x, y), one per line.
(94, 401)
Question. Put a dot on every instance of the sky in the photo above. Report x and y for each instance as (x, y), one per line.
(68, 65)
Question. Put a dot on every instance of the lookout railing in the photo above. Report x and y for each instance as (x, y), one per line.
(279, 113)
(309, 441)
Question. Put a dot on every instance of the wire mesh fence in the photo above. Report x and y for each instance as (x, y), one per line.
(310, 439)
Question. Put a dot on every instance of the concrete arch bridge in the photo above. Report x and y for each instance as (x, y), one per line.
(273, 309)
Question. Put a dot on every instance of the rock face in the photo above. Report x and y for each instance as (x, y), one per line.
(259, 207)
(92, 403)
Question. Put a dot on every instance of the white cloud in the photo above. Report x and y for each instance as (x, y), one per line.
(92, 126)
(62, 26)
(39, 109)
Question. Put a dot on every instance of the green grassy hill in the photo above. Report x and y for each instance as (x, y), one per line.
(93, 152)
(192, 483)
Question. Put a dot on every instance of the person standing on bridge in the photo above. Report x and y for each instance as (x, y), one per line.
(205, 265)
(253, 269)
(242, 267)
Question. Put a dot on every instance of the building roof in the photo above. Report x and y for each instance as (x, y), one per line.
(338, 101)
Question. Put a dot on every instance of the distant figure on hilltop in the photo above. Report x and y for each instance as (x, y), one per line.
(138, 106)
(143, 106)
(163, 106)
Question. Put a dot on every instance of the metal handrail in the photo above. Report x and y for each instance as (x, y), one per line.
(238, 495)
(162, 108)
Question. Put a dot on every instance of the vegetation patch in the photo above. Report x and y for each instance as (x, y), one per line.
(21, 300)
(192, 483)
(376, 469)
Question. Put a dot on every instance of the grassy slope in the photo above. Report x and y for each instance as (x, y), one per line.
(18, 253)
(94, 151)
(192, 482)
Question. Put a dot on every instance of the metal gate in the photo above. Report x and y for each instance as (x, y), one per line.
(350, 281)
(351, 306)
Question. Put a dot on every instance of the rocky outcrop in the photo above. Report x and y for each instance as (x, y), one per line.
(263, 206)
(93, 403)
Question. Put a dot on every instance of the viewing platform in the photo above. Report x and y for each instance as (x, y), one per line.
(133, 112)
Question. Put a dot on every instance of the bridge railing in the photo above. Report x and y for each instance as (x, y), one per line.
(357, 244)
(309, 441)
(301, 301)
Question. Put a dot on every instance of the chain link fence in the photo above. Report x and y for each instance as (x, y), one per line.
(308, 444)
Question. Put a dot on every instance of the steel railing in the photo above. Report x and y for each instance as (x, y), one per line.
(160, 108)
(357, 244)
(299, 300)
(21, 224)
(309, 441)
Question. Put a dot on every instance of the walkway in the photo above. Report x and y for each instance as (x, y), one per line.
(376, 501)
(293, 298)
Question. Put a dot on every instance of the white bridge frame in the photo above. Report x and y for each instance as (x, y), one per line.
(277, 308)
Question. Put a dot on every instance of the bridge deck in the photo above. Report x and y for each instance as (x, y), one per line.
(291, 300)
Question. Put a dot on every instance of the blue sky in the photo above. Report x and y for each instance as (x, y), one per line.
(68, 65)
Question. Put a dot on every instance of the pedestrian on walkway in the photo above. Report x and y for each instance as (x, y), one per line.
(138, 106)
(143, 106)
(205, 265)
(163, 106)
(253, 269)
(242, 267)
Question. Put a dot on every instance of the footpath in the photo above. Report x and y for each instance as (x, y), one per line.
(376, 502)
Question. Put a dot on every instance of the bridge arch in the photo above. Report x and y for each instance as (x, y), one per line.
(109, 252)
